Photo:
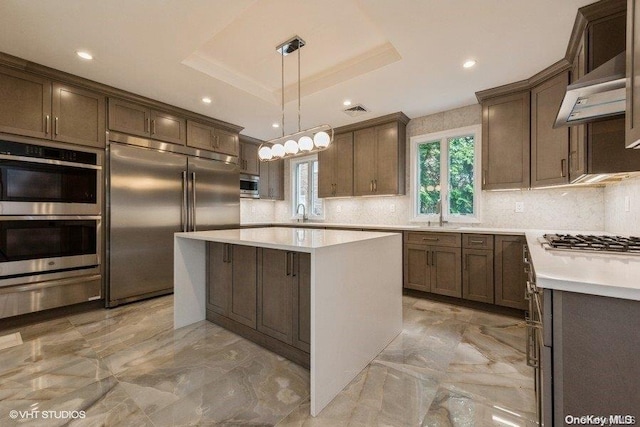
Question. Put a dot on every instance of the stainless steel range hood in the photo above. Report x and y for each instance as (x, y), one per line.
(599, 94)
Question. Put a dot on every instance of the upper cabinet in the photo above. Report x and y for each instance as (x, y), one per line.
(249, 161)
(135, 119)
(632, 127)
(335, 171)
(207, 137)
(549, 146)
(271, 185)
(37, 107)
(505, 141)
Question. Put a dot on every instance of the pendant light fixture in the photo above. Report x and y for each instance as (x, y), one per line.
(302, 142)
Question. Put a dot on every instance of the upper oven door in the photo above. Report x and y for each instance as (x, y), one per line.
(37, 244)
(44, 180)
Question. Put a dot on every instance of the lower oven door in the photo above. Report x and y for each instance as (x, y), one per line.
(43, 244)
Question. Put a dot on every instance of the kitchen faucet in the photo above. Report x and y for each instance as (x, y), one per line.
(439, 205)
(304, 212)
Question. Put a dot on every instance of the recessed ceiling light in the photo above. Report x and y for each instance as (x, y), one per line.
(84, 55)
(468, 64)
(206, 100)
(275, 125)
(346, 103)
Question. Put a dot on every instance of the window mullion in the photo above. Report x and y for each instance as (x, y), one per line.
(444, 177)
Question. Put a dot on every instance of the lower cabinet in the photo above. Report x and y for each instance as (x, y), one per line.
(435, 269)
(511, 279)
(477, 275)
(263, 295)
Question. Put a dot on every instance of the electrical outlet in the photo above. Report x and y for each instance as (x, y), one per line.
(392, 207)
(519, 207)
(339, 208)
(627, 204)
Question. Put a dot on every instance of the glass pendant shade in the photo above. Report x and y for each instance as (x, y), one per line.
(321, 139)
(265, 153)
(305, 143)
(291, 147)
(277, 150)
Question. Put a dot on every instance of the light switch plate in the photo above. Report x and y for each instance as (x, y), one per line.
(519, 207)
(392, 207)
(339, 208)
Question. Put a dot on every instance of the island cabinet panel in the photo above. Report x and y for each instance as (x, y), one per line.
(26, 104)
(242, 304)
(446, 271)
(510, 276)
(549, 146)
(275, 296)
(477, 275)
(302, 302)
(219, 275)
(505, 141)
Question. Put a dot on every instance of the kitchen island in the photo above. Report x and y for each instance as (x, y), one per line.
(334, 294)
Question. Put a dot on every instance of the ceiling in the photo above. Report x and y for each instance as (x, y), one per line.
(390, 55)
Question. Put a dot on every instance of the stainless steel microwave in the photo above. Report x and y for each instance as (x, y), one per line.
(249, 186)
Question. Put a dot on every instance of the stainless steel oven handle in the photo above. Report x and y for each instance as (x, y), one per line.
(183, 211)
(49, 162)
(193, 201)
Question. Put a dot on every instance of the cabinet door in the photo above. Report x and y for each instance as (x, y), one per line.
(25, 108)
(302, 302)
(364, 161)
(632, 128)
(417, 274)
(167, 127)
(78, 116)
(505, 141)
(510, 278)
(226, 142)
(327, 169)
(242, 307)
(276, 179)
(200, 136)
(250, 163)
(275, 304)
(263, 186)
(549, 146)
(128, 117)
(343, 166)
(386, 180)
(477, 275)
(219, 275)
(446, 271)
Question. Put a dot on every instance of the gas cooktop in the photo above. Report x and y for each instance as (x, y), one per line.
(595, 243)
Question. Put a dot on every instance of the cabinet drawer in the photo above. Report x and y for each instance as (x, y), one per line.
(451, 240)
(477, 241)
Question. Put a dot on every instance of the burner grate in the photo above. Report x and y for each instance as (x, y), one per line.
(590, 242)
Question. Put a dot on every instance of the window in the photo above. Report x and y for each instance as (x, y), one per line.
(304, 179)
(445, 171)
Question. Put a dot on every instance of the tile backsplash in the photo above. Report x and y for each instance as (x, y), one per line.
(622, 216)
(566, 208)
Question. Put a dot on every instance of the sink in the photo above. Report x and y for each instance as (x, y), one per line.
(438, 227)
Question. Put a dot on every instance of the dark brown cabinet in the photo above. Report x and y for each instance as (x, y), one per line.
(271, 185)
(578, 139)
(232, 282)
(432, 263)
(632, 126)
(335, 168)
(136, 119)
(284, 297)
(510, 276)
(249, 162)
(505, 141)
(549, 146)
(477, 267)
(378, 160)
(207, 137)
(34, 106)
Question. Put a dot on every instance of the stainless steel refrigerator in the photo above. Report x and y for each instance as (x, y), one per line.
(151, 194)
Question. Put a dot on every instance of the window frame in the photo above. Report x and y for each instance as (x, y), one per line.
(443, 136)
(293, 164)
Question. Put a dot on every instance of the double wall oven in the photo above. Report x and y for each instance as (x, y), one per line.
(50, 225)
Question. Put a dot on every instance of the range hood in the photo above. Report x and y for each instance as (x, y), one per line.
(598, 94)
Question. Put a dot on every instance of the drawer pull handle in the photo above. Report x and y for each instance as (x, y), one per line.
(476, 242)
(431, 239)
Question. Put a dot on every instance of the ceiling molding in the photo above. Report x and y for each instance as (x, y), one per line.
(549, 72)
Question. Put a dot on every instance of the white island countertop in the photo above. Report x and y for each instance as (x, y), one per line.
(604, 274)
(284, 238)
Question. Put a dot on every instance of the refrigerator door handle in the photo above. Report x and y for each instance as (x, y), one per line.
(183, 211)
(193, 201)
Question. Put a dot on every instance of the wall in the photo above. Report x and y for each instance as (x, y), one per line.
(568, 208)
(617, 220)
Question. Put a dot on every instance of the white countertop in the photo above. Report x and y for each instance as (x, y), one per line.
(395, 227)
(295, 239)
(610, 275)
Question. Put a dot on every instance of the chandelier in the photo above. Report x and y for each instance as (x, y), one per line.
(302, 142)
